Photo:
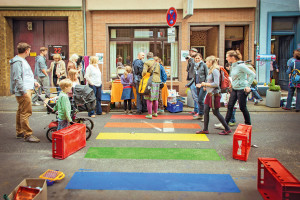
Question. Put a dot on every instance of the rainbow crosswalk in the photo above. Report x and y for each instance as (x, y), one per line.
(164, 127)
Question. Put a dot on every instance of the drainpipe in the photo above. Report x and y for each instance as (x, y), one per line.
(257, 36)
(84, 25)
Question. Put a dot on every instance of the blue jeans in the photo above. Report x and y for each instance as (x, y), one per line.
(232, 120)
(97, 92)
(141, 104)
(255, 93)
(201, 95)
(62, 124)
(290, 98)
(195, 97)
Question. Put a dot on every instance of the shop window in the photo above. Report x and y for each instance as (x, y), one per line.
(126, 43)
(143, 33)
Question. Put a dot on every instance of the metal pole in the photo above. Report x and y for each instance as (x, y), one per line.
(172, 67)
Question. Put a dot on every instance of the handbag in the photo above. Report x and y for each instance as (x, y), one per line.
(162, 85)
(146, 83)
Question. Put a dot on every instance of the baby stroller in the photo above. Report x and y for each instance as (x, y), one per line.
(83, 99)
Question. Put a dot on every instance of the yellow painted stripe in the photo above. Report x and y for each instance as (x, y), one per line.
(152, 136)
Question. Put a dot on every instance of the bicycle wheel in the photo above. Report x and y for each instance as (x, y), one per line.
(49, 133)
(88, 122)
(88, 132)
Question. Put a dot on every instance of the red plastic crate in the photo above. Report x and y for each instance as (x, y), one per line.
(68, 140)
(242, 142)
(275, 182)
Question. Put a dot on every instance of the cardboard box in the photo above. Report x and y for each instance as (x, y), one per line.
(33, 182)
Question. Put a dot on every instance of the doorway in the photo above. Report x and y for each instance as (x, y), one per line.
(282, 47)
(40, 33)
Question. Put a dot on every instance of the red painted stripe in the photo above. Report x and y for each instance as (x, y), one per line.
(151, 125)
(184, 117)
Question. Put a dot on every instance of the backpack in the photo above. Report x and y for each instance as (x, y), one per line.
(146, 81)
(295, 76)
(225, 83)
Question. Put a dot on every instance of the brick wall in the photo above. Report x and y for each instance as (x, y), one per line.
(98, 39)
(76, 40)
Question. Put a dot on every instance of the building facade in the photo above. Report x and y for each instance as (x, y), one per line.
(123, 28)
(278, 33)
(48, 23)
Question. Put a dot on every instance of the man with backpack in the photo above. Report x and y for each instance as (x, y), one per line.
(191, 73)
(294, 83)
(137, 66)
(21, 84)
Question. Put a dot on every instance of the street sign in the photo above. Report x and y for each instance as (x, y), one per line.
(171, 16)
(171, 35)
(267, 57)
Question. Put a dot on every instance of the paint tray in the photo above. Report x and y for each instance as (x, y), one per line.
(52, 175)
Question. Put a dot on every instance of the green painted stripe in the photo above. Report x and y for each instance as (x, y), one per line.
(152, 153)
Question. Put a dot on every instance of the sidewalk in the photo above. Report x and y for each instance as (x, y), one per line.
(9, 104)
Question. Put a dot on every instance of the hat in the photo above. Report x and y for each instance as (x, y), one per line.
(193, 49)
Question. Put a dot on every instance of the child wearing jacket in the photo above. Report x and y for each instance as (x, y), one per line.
(127, 94)
(63, 105)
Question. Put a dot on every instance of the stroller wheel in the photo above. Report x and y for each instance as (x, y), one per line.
(49, 133)
(88, 132)
(88, 122)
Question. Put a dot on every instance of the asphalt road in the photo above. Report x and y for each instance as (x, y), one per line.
(277, 135)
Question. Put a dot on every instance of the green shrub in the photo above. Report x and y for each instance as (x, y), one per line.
(273, 87)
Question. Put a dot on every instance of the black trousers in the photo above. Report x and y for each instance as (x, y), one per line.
(127, 102)
(216, 112)
(240, 95)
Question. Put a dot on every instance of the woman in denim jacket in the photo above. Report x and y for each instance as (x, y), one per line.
(242, 78)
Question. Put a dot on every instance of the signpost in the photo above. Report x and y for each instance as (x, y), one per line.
(171, 21)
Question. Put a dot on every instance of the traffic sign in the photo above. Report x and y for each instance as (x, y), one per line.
(171, 16)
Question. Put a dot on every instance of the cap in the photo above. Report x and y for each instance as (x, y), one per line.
(193, 49)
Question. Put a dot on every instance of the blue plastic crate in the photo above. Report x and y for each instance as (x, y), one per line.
(173, 108)
(105, 97)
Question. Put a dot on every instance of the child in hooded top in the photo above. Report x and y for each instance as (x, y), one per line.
(127, 94)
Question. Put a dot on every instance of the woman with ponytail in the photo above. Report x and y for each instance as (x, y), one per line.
(242, 78)
(213, 97)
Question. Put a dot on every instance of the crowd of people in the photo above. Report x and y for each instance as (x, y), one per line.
(203, 78)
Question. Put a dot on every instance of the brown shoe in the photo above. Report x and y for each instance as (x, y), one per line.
(31, 138)
(93, 116)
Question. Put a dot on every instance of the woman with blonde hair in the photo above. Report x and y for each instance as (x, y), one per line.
(213, 97)
(93, 78)
(72, 64)
(58, 71)
(127, 94)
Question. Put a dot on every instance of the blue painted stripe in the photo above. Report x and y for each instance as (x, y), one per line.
(153, 182)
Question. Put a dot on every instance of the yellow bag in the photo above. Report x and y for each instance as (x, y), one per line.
(145, 84)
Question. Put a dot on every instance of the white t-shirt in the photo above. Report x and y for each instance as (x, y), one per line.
(28, 81)
(93, 75)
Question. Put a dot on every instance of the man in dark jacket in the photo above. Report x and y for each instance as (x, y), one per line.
(138, 65)
(21, 85)
(191, 73)
(40, 72)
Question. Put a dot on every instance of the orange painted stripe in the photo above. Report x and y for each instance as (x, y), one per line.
(183, 117)
(151, 125)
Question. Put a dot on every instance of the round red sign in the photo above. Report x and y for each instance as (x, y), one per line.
(171, 16)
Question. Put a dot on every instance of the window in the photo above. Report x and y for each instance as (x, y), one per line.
(126, 43)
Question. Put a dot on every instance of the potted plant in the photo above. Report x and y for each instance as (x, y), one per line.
(273, 95)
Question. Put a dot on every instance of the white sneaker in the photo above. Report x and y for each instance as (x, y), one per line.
(219, 126)
(36, 104)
